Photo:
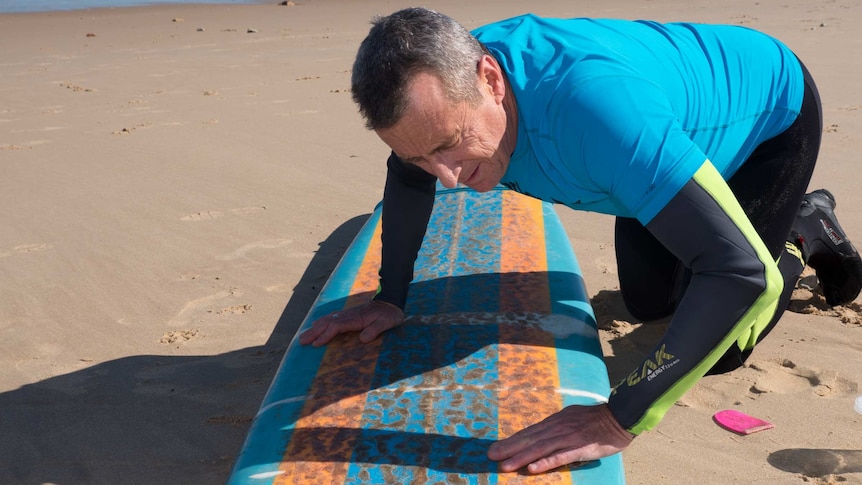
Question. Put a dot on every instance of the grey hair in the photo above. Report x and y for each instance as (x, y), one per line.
(403, 44)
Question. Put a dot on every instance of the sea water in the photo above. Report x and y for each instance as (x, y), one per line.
(9, 6)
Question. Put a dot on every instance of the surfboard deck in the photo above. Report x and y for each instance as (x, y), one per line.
(499, 335)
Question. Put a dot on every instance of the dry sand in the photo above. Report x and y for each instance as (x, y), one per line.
(178, 182)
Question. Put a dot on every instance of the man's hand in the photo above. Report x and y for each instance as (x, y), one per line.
(370, 319)
(577, 433)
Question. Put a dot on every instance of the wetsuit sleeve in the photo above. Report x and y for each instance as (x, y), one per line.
(732, 296)
(408, 199)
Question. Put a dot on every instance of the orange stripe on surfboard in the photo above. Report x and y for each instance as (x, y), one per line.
(523, 259)
(322, 442)
(528, 373)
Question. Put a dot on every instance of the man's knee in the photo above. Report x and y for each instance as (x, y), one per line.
(653, 300)
(647, 309)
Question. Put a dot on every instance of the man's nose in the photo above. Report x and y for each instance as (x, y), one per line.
(446, 170)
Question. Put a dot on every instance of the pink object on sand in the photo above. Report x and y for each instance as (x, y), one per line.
(739, 422)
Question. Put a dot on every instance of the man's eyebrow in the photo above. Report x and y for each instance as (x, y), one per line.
(449, 142)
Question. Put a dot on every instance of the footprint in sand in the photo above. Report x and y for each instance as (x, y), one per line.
(242, 211)
(26, 248)
(194, 309)
(29, 248)
(235, 309)
(216, 214)
(27, 146)
(242, 252)
(203, 216)
(785, 377)
(179, 336)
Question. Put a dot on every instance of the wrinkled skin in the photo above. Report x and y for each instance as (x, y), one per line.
(577, 433)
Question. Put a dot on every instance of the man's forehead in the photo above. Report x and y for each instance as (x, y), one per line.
(429, 122)
(426, 94)
(428, 108)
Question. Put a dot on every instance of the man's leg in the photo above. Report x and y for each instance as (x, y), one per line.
(771, 187)
(652, 279)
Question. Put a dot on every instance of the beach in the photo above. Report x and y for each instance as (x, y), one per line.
(179, 181)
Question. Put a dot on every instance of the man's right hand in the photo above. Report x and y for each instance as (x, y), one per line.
(369, 319)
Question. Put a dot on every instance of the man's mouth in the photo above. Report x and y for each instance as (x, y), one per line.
(473, 177)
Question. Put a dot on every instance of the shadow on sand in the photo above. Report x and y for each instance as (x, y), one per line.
(815, 463)
(150, 419)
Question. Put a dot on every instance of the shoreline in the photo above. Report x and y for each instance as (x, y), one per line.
(90, 5)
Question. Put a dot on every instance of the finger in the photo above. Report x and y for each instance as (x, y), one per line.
(527, 445)
(333, 329)
(506, 448)
(376, 328)
(311, 334)
(318, 327)
(554, 461)
(521, 440)
(542, 456)
(520, 459)
(513, 454)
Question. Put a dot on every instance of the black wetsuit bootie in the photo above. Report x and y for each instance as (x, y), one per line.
(825, 248)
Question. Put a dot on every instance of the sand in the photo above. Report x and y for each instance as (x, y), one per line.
(178, 182)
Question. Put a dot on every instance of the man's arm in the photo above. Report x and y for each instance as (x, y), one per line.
(733, 293)
(732, 296)
(408, 199)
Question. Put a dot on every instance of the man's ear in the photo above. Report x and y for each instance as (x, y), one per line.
(491, 76)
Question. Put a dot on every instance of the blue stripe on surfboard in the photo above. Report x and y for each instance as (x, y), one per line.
(272, 428)
(464, 420)
(475, 253)
(447, 284)
(583, 375)
(436, 426)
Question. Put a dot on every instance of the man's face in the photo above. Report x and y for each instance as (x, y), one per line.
(456, 142)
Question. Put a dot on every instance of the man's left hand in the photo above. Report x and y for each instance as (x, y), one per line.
(577, 433)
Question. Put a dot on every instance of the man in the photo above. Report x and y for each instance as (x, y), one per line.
(700, 139)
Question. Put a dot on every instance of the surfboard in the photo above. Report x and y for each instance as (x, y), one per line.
(499, 334)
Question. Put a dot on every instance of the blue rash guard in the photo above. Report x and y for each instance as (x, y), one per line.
(639, 120)
(616, 116)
